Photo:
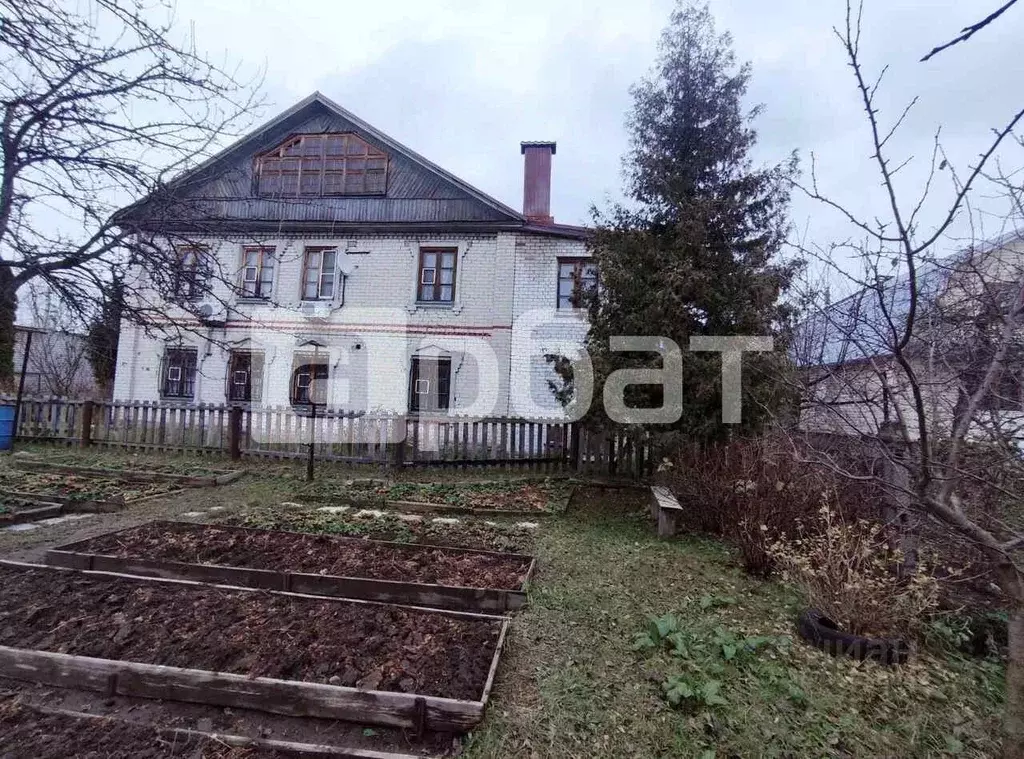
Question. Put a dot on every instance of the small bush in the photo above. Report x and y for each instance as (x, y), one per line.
(735, 490)
(846, 570)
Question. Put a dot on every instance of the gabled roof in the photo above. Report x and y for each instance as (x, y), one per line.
(857, 328)
(419, 191)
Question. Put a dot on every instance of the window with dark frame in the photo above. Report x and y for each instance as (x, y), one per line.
(430, 384)
(319, 273)
(436, 275)
(576, 276)
(309, 380)
(179, 373)
(323, 164)
(245, 377)
(257, 276)
(191, 275)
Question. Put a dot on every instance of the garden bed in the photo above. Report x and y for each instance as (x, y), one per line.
(195, 477)
(19, 510)
(498, 497)
(278, 652)
(80, 492)
(448, 578)
(54, 735)
(504, 536)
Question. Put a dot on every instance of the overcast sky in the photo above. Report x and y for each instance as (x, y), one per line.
(464, 81)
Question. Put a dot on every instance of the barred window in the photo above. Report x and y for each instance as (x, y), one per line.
(179, 373)
(245, 377)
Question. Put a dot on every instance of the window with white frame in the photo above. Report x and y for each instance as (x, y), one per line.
(576, 277)
(178, 373)
(257, 276)
(319, 273)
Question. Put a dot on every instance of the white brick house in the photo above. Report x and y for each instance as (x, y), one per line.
(329, 259)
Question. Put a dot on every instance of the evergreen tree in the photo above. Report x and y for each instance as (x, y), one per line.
(695, 250)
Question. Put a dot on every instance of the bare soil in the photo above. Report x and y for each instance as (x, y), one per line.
(317, 554)
(26, 733)
(248, 633)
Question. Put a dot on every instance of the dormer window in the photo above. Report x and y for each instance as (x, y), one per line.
(322, 164)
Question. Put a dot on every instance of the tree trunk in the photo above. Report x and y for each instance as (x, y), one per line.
(8, 312)
(1013, 719)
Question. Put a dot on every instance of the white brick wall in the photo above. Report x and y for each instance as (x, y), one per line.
(497, 277)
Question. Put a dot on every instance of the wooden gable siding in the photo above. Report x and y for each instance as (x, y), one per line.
(226, 191)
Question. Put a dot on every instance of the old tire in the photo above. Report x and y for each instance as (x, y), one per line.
(820, 631)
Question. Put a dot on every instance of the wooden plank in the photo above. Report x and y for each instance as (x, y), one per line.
(178, 736)
(288, 697)
(426, 595)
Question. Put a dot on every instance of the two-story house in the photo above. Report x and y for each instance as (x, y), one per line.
(331, 263)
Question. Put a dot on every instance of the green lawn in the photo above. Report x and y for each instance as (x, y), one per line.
(571, 684)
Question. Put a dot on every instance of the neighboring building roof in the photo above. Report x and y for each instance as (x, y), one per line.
(420, 194)
(859, 327)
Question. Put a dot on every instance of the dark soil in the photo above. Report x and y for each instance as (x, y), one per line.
(316, 554)
(26, 733)
(247, 633)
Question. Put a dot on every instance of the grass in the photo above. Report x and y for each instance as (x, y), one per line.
(572, 685)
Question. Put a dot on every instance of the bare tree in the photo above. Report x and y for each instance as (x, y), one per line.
(924, 359)
(969, 31)
(98, 105)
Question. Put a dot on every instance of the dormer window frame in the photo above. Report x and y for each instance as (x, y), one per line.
(324, 164)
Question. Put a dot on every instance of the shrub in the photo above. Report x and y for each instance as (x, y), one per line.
(734, 489)
(848, 572)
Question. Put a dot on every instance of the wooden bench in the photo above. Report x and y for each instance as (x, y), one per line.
(665, 509)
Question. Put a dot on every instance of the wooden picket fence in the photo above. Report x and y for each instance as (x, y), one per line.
(284, 432)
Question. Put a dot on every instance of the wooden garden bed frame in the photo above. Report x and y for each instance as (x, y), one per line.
(428, 595)
(175, 735)
(41, 510)
(293, 698)
(185, 480)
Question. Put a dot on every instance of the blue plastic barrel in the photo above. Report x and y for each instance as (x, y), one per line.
(6, 426)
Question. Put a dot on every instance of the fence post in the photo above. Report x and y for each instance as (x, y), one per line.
(235, 433)
(85, 439)
(574, 455)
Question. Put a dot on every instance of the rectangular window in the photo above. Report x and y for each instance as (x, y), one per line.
(257, 276)
(245, 377)
(322, 164)
(319, 273)
(430, 384)
(436, 280)
(192, 274)
(309, 379)
(576, 276)
(179, 373)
